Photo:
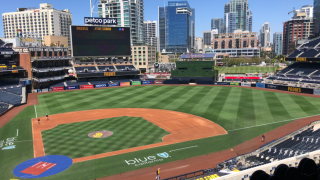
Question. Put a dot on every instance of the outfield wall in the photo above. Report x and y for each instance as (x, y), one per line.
(178, 82)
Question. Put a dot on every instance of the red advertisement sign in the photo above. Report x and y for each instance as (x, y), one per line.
(38, 168)
(158, 81)
(58, 88)
(242, 77)
(86, 86)
(125, 84)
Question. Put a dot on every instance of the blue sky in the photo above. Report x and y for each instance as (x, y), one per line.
(273, 11)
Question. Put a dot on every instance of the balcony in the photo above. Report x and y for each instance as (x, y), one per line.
(48, 69)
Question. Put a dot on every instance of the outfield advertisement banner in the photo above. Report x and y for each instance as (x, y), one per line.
(100, 85)
(316, 91)
(147, 82)
(58, 88)
(222, 83)
(271, 86)
(260, 85)
(125, 84)
(295, 89)
(158, 81)
(234, 83)
(71, 87)
(136, 83)
(113, 84)
(246, 84)
(86, 86)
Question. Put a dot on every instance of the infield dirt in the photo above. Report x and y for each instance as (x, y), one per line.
(181, 126)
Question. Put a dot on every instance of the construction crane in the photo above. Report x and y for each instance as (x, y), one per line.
(92, 7)
(294, 10)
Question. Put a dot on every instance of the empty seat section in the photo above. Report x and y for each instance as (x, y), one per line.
(82, 69)
(10, 98)
(3, 107)
(106, 68)
(14, 90)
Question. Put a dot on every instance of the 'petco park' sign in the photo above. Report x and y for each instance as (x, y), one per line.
(100, 21)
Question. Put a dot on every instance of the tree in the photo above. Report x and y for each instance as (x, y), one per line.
(274, 61)
(157, 56)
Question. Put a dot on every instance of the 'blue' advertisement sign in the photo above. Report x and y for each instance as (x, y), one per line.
(260, 85)
(101, 85)
(113, 84)
(147, 82)
(71, 87)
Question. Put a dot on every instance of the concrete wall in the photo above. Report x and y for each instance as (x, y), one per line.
(58, 40)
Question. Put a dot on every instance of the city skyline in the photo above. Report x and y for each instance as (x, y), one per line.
(274, 12)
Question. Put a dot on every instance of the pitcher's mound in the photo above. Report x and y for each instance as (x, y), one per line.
(100, 134)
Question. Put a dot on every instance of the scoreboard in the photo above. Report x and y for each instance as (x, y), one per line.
(100, 41)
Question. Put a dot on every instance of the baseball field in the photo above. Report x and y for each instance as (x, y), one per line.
(246, 69)
(145, 121)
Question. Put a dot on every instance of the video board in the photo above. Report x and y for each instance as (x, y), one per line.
(100, 41)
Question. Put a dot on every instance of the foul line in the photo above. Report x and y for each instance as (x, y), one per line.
(184, 148)
(272, 123)
(35, 110)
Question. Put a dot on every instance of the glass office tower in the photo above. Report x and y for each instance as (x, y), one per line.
(316, 16)
(177, 27)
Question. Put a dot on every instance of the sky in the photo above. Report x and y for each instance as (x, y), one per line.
(273, 11)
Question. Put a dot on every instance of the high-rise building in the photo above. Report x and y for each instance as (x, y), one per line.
(143, 57)
(299, 27)
(177, 27)
(40, 22)
(198, 45)
(239, 43)
(265, 35)
(316, 16)
(237, 16)
(307, 9)
(217, 23)
(150, 33)
(207, 39)
(277, 42)
(129, 14)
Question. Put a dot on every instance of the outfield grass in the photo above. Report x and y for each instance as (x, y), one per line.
(72, 139)
(246, 69)
(237, 110)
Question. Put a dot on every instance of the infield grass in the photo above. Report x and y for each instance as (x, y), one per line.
(72, 139)
(244, 113)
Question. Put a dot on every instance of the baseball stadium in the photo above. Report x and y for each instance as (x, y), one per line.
(107, 120)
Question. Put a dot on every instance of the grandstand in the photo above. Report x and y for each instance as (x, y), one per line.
(302, 141)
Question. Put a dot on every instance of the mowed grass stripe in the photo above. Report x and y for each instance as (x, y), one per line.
(276, 108)
(134, 132)
(230, 109)
(177, 103)
(201, 107)
(170, 90)
(263, 114)
(214, 109)
(305, 105)
(246, 111)
(115, 101)
(152, 95)
(169, 97)
(193, 99)
(133, 101)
